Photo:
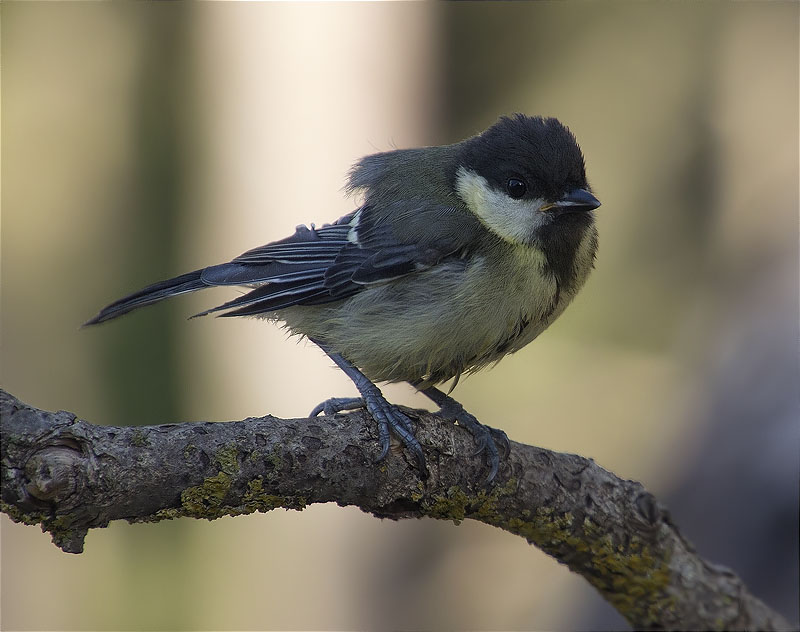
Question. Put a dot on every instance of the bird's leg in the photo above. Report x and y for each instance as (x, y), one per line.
(388, 416)
(486, 438)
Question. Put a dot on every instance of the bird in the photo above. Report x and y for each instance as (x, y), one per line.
(455, 256)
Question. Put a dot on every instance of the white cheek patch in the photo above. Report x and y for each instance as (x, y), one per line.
(513, 220)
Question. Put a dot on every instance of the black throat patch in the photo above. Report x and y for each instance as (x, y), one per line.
(560, 241)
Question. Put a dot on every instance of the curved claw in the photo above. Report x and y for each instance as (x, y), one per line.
(317, 409)
(493, 469)
(385, 444)
(390, 418)
(336, 405)
(493, 458)
(501, 438)
(486, 438)
(481, 445)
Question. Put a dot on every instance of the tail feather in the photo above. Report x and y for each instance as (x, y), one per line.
(190, 282)
(309, 297)
(271, 297)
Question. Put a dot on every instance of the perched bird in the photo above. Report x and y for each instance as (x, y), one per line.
(457, 256)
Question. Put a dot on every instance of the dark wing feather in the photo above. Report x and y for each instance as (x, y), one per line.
(306, 244)
(237, 274)
(183, 284)
(322, 265)
(269, 298)
(313, 266)
(287, 272)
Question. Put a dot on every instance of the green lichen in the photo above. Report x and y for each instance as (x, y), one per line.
(546, 530)
(255, 499)
(60, 525)
(163, 514)
(419, 494)
(276, 459)
(452, 505)
(228, 459)
(19, 516)
(205, 500)
(211, 499)
(455, 504)
(254, 488)
(632, 577)
(139, 438)
(61, 528)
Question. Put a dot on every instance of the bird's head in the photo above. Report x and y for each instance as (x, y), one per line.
(523, 174)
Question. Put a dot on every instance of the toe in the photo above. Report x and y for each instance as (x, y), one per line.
(336, 405)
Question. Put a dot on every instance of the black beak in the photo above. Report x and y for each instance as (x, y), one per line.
(576, 200)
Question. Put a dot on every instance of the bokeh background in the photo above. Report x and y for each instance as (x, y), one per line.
(143, 140)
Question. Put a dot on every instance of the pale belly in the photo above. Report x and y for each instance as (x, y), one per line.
(438, 323)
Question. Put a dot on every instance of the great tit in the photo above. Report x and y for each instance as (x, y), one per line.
(457, 256)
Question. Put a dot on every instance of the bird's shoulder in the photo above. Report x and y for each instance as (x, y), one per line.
(409, 198)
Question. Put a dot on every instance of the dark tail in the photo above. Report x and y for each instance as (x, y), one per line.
(151, 294)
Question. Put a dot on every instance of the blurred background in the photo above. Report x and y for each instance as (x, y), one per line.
(140, 141)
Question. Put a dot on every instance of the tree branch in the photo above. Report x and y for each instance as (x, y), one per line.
(71, 476)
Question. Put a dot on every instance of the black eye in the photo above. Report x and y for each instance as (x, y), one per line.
(516, 188)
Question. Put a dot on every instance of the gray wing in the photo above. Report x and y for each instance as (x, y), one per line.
(322, 265)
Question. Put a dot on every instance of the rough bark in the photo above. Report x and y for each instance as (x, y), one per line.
(70, 476)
